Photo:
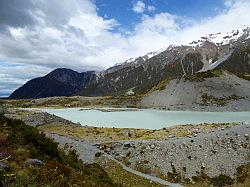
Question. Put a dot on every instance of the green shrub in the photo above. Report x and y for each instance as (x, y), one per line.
(21, 134)
(242, 172)
(1, 175)
(222, 180)
(60, 169)
(200, 76)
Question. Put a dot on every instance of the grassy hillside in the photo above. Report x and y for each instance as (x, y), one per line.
(19, 142)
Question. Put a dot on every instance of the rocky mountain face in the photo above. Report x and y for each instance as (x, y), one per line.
(60, 82)
(229, 51)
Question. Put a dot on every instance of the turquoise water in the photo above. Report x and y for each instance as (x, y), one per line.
(146, 118)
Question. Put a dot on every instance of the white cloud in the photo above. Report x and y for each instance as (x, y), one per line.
(13, 77)
(161, 27)
(230, 3)
(139, 7)
(17, 33)
(236, 16)
(91, 25)
(151, 8)
(72, 35)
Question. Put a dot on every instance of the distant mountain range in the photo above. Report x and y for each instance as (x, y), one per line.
(226, 51)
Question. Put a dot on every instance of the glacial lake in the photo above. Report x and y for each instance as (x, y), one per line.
(145, 118)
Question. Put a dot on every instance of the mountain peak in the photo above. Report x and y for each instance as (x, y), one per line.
(59, 82)
(223, 38)
(62, 70)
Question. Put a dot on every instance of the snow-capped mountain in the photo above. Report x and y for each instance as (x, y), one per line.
(229, 51)
(218, 39)
(133, 61)
(223, 38)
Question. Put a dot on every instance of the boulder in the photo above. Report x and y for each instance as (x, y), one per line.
(35, 162)
(98, 154)
(4, 166)
(127, 144)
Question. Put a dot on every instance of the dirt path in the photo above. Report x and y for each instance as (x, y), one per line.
(87, 151)
(149, 177)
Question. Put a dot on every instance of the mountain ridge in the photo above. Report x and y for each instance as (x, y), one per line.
(175, 61)
(59, 82)
(138, 75)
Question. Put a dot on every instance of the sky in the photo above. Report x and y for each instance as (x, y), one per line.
(37, 36)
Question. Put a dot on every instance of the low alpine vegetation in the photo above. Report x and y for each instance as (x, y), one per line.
(29, 158)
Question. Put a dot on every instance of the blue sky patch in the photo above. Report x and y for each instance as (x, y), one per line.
(122, 10)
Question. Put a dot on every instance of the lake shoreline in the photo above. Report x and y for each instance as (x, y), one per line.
(126, 145)
(120, 102)
(109, 117)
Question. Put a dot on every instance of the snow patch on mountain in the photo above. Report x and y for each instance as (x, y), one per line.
(222, 38)
(152, 54)
(218, 39)
(133, 61)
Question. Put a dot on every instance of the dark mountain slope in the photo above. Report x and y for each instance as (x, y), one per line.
(60, 82)
(239, 61)
(144, 76)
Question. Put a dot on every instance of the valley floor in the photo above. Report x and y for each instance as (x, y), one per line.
(214, 154)
(190, 155)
